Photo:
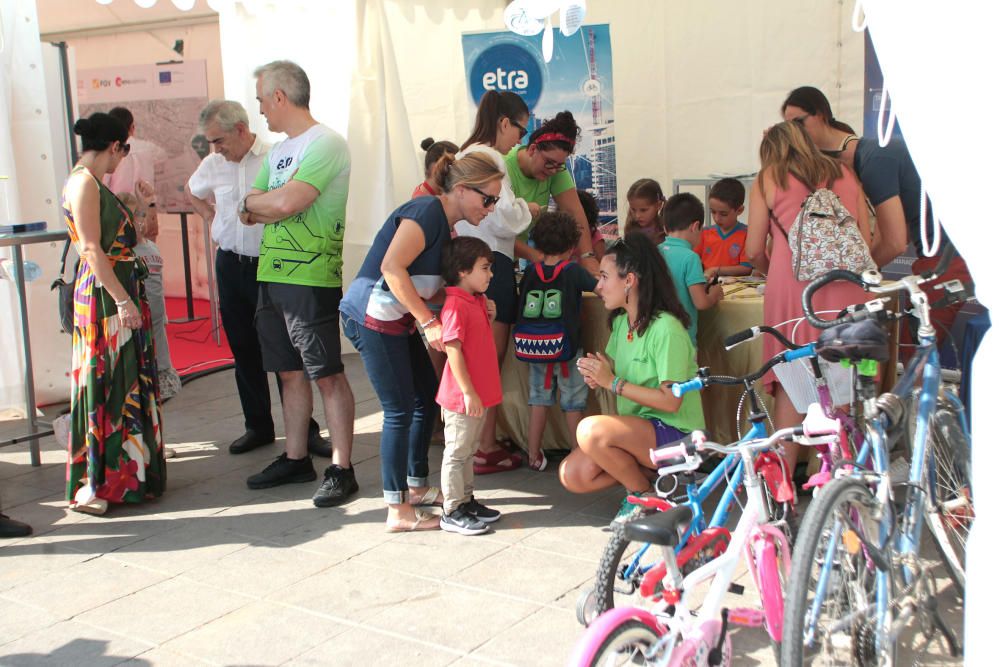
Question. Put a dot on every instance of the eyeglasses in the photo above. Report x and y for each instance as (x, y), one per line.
(124, 148)
(488, 200)
(521, 129)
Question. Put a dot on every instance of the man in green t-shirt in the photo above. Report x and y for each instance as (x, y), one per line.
(300, 195)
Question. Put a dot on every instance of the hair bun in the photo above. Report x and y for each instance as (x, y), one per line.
(427, 143)
(82, 127)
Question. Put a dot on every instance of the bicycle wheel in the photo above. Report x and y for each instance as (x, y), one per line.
(838, 626)
(624, 563)
(949, 512)
(620, 572)
(626, 644)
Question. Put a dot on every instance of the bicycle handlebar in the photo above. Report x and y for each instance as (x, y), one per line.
(703, 379)
(871, 281)
(752, 333)
(819, 283)
(697, 441)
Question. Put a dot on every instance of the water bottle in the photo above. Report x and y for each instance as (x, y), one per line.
(31, 271)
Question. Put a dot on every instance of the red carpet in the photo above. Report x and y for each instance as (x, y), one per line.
(192, 344)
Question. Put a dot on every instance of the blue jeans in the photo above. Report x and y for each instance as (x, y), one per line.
(404, 380)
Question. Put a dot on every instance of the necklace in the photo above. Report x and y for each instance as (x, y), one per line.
(631, 331)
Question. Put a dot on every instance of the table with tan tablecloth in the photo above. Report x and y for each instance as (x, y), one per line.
(742, 308)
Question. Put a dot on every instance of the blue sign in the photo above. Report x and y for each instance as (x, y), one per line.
(507, 67)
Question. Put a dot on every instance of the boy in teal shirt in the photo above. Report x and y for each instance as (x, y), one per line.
(683, 217)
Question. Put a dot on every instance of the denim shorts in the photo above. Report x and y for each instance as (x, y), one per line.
(572, 388)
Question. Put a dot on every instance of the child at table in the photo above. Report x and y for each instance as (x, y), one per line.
(683, 216)
(645, 210)
(723, 247)
(470, 382)
(555, 235)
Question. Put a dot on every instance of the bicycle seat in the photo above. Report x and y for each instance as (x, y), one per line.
(854, 341)
(660, 528)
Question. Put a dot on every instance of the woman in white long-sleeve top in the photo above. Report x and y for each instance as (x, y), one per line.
(501, 123)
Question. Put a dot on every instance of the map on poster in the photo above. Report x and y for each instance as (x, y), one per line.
(165, 101)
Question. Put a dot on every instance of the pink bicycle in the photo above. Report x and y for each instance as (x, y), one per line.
(676, 632)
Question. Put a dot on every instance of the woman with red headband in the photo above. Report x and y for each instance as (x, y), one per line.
(538, 171)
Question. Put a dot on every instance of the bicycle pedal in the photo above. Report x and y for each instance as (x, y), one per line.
(748, 618)
(736, 589)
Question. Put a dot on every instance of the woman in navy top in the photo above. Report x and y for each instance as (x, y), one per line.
(380, 313)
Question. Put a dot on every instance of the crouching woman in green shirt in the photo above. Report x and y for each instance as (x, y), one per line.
(649, 349)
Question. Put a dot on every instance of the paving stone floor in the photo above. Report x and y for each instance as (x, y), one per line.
(214, 573)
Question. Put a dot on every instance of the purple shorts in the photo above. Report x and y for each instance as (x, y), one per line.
(665, 434)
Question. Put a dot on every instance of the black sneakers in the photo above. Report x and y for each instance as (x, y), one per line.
(481, 511)
(249, 441)
(283, 470)
(338, 485)
(461, 521)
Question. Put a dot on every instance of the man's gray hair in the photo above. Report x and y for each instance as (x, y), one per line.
(286, 76)
(225, 113)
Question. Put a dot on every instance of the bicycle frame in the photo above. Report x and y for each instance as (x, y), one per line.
(729, 469)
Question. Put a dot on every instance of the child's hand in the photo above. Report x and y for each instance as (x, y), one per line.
(144, 192)
(534, 209)
(473, 405)
(491, 309)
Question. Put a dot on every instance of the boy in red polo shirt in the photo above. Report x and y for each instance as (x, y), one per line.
(470, 382)
(723, 246)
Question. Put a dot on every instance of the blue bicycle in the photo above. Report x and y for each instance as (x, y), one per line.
(857, 578)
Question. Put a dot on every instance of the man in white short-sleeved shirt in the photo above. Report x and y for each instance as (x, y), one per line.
(216, 189)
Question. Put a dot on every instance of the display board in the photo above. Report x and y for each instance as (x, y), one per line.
(578, 78)
(165, 100)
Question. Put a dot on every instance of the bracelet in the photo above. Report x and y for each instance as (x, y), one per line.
(614, 385)
(122, 302)
(429, 322)
(588, 255)
(620, 387)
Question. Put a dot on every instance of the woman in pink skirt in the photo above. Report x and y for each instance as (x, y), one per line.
(791, 167)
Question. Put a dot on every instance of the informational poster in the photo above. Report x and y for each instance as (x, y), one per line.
(577, 79)
(165, 100)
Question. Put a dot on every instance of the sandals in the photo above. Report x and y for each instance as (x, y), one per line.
(499, 461)
(96, 506)
(424, 521)
(432, 497)
(538, 465)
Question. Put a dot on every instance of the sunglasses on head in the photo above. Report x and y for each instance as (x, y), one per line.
(488, 200)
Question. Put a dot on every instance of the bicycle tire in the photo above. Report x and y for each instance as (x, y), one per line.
(608, 571)
(807, 561)
(628, 637)
(950, 512)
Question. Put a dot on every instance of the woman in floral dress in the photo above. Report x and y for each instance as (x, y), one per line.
(116, 445)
